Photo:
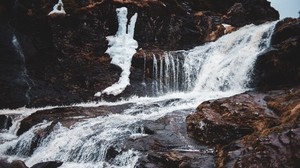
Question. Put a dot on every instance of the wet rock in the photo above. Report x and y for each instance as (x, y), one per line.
(5, 122)
(165, 144)
(51, 164)
(67, 116)
(252, 129)
(13, 80)
(275, 149)
(192, 159)
(279, 66)
(224, 120)
(21, 164)
(14, 164)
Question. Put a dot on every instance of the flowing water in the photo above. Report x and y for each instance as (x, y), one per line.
(183, 79)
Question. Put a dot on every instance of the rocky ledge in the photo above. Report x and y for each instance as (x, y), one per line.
(253, 129)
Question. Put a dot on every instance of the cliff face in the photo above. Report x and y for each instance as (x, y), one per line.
(279, 66)
(64, 54)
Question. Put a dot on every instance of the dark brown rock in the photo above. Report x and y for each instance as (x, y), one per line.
(51, 164)
(4, 164)
(167, 144)
(18, 164)
(224, 120)
(14, 83)
(5, 122)
(279, 66)
(272, 117)
(67, 116)
(250, 11)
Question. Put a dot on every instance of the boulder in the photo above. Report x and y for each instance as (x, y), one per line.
(50, 164)
(252, 129)
(224, 120)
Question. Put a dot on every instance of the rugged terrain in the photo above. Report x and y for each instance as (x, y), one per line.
(61, 60)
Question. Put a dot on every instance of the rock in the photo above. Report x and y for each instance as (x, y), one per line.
(247, 12)
(14, 164)
(21, 164)
(166, 144)
(224, 120)
(4, 164)
(279, 66)
(272, 150)
(252, 129)
(14, 83)
(67, 116)
(5, 122)
(51, 164)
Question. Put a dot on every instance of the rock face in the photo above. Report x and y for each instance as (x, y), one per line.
(280, 65)
(251, 129)
(64, 55)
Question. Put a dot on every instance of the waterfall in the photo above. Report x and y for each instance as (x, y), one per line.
(211, 71)
(225, 64)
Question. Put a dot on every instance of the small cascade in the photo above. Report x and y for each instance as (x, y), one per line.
(167, 79)
(213, 67)
(155, 76)
(24, 74)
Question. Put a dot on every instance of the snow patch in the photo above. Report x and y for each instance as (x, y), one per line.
(121, 50)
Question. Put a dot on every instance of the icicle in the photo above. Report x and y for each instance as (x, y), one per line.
(58, 8)
(121, 50)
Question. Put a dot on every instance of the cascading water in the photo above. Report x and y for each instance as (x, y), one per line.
(24, 73)
(218, 66)
(214, 70)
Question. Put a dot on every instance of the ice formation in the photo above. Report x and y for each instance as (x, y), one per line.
(58, 8)
(122, 48)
